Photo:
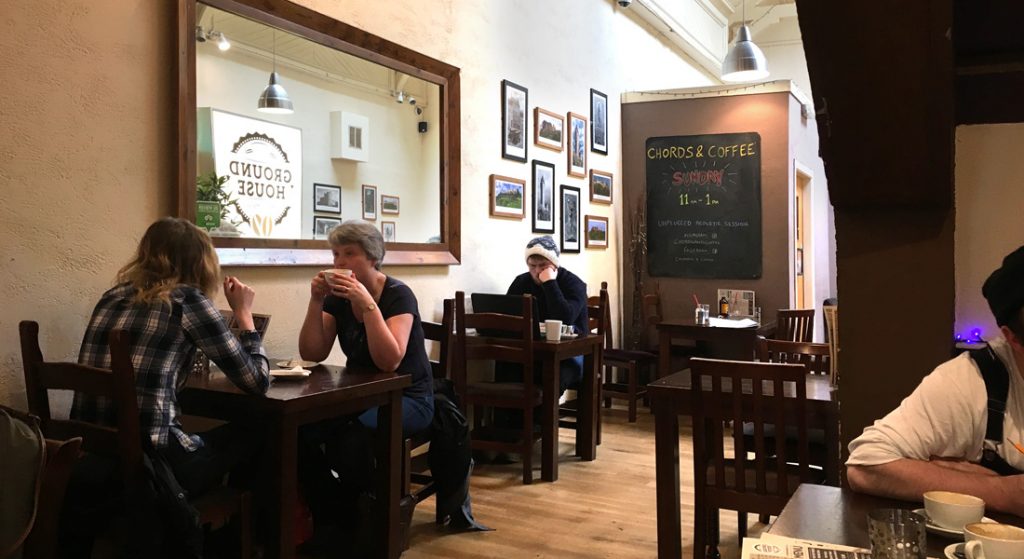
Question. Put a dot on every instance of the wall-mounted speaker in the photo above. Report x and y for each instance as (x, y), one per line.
(422, 127)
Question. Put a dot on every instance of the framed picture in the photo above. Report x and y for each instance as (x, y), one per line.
(508, 196)
(388, 204)
(600, 187)
(543, 197)
(513, 121)
(577, 145)
(596, 228)
(548, 129)
(570, 219)
(369, 202)
(326, 198)
(387, 228)
(323, 225)
(598, 122)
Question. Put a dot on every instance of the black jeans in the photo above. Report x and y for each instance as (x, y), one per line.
(230, 448)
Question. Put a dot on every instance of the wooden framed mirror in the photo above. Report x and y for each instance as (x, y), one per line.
(374, 134)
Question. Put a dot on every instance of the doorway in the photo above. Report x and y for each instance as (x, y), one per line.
(803, 263)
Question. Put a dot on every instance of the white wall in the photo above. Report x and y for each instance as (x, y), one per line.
(90, 152)
(989, 199)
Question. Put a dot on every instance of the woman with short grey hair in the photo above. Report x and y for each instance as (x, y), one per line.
(361, 233)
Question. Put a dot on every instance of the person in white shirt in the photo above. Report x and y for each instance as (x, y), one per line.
(939, 437)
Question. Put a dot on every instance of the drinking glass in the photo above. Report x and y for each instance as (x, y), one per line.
(757, 315)
(896, 534)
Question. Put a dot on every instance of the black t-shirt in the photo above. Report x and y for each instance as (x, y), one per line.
(395, 299)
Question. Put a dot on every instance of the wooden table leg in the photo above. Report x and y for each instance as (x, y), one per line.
(287, 486)
(587, 410)
(389, 474)
(549, 422)
(664, 353)
(666, 453)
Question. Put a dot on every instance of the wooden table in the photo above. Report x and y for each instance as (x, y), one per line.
(722, 343)
(330, 391)
(840, 516)
(671, 397)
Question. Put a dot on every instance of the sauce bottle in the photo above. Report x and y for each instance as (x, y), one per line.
(723, 308)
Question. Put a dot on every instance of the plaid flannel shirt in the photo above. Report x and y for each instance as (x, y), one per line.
(164, 339)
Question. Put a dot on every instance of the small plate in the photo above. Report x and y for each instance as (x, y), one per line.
(290, 373)
(570, 336)
(292, 363)
(936, 529)
(951, 551)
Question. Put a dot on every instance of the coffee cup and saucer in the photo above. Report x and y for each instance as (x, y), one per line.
(988, 540)
(946, 513)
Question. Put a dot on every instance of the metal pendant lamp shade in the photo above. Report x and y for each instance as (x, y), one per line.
(274, 98)
(745, 62)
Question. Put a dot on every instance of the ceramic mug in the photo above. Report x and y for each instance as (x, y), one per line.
(953, 510)
(553, 330)
(329, 274)
(988, 540)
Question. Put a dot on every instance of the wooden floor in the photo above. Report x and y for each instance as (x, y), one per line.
(604, 508)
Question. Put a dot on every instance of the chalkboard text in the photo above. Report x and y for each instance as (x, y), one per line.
(698, 151)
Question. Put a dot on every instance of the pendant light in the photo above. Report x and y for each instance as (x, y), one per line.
(745, 62)
(274, 98)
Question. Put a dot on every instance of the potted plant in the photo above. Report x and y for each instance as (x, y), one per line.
(211, 200)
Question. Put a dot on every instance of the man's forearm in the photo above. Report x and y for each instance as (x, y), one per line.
(909, 479)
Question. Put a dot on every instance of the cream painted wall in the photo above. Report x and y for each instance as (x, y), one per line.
(90, 145)
(989, 198)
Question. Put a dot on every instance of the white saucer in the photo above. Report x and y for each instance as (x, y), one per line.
(291, 363)
(296, 373)
(570, 336)
(950, 550)
(936, 529)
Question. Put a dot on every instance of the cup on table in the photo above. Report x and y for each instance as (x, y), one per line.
(330, 274)
(953, 510)
(567, 330)
(896, 534)
(553, 330)
(988, 540)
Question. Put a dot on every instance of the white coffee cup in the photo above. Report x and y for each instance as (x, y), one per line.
(953, 510)
(553, 330)
(329, 274)
(988, 540)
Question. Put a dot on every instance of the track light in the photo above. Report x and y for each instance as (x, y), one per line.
(222, 41)
(411, 100)
(400, 97)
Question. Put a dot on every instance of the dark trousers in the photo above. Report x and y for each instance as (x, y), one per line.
(569, 376)
(230, 448)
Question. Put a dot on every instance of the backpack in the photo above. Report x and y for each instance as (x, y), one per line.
(164, 522)
(450, 458)
(21, 472)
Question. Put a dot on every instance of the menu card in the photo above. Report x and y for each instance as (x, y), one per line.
(777, 547)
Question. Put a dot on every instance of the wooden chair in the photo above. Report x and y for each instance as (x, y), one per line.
(524, 395)
(794, 325)
(772, 393)
(414, 464)
(597, 319)
(123, 440)
(631, 362)
(816, 357)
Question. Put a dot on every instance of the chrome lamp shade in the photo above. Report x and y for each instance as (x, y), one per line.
(274, 98)
(744, 62)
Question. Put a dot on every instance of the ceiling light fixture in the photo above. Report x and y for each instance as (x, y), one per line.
(274, 98)
(222, 40)
(400, 97)
(744, 62)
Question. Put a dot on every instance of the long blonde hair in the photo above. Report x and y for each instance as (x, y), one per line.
(173, 252)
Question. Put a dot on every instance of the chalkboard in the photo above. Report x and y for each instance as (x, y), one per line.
(704, 206)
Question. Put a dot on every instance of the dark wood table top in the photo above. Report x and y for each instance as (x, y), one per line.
(840, 516)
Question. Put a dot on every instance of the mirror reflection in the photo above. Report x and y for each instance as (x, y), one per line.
(293, 137)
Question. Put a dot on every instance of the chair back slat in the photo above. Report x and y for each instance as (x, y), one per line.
(513, 350)
(795, 325)
(443, 333)
(816, 357)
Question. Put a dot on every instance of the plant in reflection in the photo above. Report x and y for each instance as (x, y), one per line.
(210, 189)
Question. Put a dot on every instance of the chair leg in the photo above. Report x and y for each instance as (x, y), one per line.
(700, 526)
(527, 444)
(245, 524)
(713, 535)
(741, 525)
(407, 467)
(764, 519)
(631, 390)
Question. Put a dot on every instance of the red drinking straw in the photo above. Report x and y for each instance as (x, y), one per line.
(695, 301)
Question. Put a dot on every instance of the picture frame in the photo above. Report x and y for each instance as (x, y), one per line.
(543, 197)
(514, 111)
(323, 225)
(369, 202)
(327, 198)
(389, 204)
(577, 142)
(387, 230)
(598, 122)
(508, 197)
(601, 187)
(570, 218)
(548, 129)
(595, 231)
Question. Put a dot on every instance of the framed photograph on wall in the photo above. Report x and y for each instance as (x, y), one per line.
(323, 225)
(514, 108)
(548, 129)
(389, 204)
(600, 187)
(595, 230)
(598, 122)
(577, 145)
(543, 197)
(508, 196)
(369, 202)
(387, 229)
(570, 219)
(326, 198)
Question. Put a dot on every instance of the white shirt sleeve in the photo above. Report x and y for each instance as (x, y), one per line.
(945, 416)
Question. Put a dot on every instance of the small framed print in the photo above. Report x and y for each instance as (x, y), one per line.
(543, 197)
(322, 226)
(577, 145)
(508, 196)
(600, 187)
(598, 122)
(388, 204)
(387, 229)
(369, 202)
(327, 198)
(514, 109)
(596, 228)
(570, 219)
(548, 129)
